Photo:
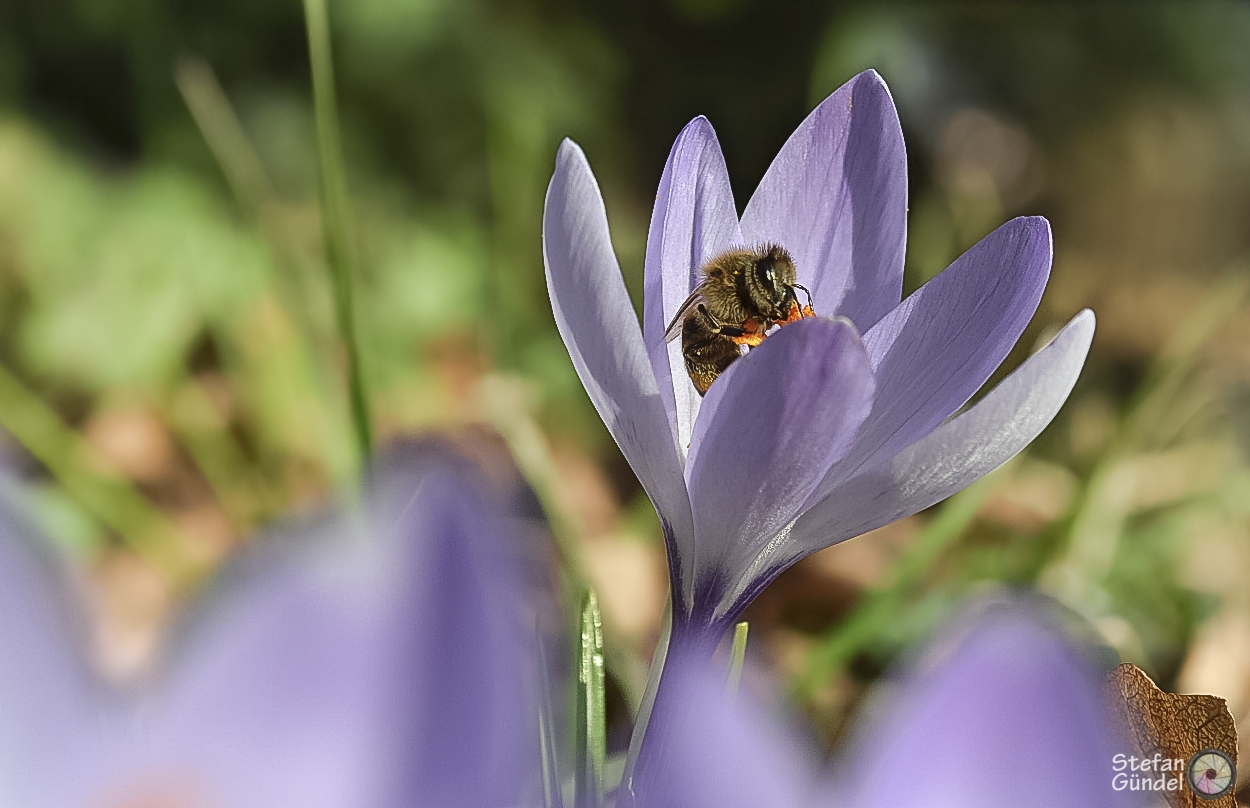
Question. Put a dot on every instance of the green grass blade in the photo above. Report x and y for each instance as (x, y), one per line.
(1173, 365)
(223, 133)
(737, 656)
(1104, 504)
(590, 733)
(112, 500)
(335, 214)
(317, 350)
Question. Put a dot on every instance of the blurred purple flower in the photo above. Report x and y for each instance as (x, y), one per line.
(817, 435)
(376, 662)
(1002, 711)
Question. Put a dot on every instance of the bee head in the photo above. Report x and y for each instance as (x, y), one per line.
(771, 281)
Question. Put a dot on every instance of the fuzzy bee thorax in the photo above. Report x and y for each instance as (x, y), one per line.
(742, 294)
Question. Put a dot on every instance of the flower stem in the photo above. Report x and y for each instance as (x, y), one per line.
(691, 643)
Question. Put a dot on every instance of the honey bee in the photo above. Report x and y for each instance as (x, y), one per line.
(743, 293)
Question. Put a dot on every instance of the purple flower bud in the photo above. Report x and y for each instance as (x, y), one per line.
(1004, 709)
(381, 659)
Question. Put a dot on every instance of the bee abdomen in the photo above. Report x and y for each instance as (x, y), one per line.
(707, 353)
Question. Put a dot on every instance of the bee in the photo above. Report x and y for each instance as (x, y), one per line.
(742, 294)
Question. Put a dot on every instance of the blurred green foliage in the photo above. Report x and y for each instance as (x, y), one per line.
(162, 268)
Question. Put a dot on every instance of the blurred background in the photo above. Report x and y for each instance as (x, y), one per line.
(171, 378)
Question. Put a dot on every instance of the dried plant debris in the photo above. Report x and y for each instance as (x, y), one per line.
(1187, 743)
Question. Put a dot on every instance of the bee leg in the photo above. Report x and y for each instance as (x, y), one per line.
(720, 328)
(808, 310)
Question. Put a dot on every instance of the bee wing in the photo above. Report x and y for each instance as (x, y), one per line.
(679, 319)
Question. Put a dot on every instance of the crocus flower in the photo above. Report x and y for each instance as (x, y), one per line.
(373, 662)
(833, 426)
(1003, 710)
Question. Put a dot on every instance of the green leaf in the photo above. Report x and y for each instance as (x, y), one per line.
(590, 733)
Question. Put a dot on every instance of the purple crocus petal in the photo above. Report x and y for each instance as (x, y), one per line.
(936, 348)
(459, 640)
(769, 430)
(45, 699)
(836, 198)
(694, 219)
(599, 328)
(269, 702)
(382, 669)
(718, 752)
(1012, 715)
(959, 452)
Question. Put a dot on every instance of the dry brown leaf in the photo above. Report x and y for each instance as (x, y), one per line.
(1176, 727)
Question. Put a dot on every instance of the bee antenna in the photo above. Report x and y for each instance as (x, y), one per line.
(805, 291)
